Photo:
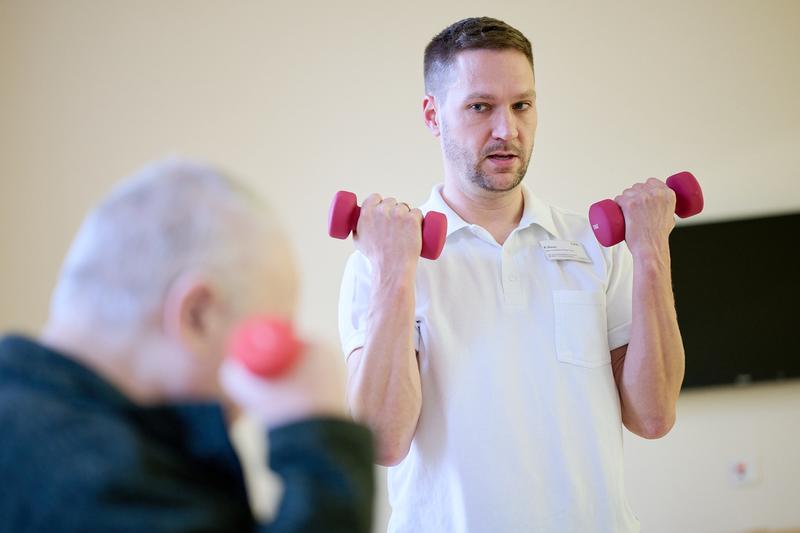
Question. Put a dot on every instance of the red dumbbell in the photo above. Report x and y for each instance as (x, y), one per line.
(607, 220)
(344, 213)
(266, 346)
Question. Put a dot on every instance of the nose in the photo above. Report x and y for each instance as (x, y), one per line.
(504, 127)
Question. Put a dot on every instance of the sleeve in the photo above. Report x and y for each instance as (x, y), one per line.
(354, 295)
(328, 476)
(619, 295)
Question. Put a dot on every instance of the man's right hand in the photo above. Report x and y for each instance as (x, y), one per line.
(389, 234)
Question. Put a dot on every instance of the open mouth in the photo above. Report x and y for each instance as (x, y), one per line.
(501, 157)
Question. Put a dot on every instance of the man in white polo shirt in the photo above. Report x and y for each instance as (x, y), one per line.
(497, 378)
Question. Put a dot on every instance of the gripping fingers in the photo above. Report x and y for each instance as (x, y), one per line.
(388, 204)
(372, 200)
(402, 209)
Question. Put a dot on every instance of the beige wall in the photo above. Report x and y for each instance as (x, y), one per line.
(682, 483)
(301, 100)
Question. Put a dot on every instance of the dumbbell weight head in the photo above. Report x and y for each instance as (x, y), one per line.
(434, 233)
(688, 194)
(608, 222)
(343, 215)
(266, 346)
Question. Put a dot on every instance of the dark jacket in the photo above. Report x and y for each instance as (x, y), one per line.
(77, 455)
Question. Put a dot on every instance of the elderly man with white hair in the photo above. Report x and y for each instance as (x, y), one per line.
(116, 418)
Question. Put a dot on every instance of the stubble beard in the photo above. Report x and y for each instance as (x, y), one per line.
(472, 170)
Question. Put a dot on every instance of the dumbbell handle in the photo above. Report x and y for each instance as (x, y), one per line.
(345, 212)
(608, 222)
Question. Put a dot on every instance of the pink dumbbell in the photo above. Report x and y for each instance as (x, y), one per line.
(344, 213)
(607, 220)
(266, 346)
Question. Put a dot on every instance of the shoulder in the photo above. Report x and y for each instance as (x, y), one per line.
(43, 430)
(62, 453)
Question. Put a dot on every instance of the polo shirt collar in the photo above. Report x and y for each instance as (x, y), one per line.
(534, 211)
(537, 211)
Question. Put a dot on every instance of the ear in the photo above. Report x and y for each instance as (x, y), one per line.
(429, 114)
(191, 314)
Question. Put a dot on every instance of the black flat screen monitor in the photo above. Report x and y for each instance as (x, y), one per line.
(737, 293)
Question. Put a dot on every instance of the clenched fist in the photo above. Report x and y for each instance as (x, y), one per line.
(649, 209)
(389, 234)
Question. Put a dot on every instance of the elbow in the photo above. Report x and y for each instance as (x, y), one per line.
(650, 425)
(392, 443)
(392, 430)
(390, 453)
(389, 459)
(655, 427)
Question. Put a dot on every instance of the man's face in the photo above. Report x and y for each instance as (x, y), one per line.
(486, 114)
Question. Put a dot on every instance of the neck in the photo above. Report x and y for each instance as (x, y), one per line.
(498, 212)
(134, 371)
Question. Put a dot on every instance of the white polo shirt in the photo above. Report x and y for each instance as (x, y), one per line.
(520, 428)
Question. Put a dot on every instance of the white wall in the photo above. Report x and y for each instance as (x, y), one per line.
(684, 482)
(301, 100)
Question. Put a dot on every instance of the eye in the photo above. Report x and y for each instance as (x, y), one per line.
(480, 108)
(521, 106)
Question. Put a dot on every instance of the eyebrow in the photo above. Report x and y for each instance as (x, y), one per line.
(486, 96)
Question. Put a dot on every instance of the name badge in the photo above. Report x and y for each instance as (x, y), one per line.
(565, 251)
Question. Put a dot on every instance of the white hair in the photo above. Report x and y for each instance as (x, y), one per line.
(170, 217)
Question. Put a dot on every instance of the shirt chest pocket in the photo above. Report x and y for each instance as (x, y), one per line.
(580, 328)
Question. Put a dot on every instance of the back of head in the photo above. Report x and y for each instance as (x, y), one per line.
(170, 217)
(469, 34)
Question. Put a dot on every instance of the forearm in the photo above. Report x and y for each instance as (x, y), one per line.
(384, 389)
(654, 363)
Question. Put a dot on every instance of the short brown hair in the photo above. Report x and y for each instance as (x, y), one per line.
(469, 34)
